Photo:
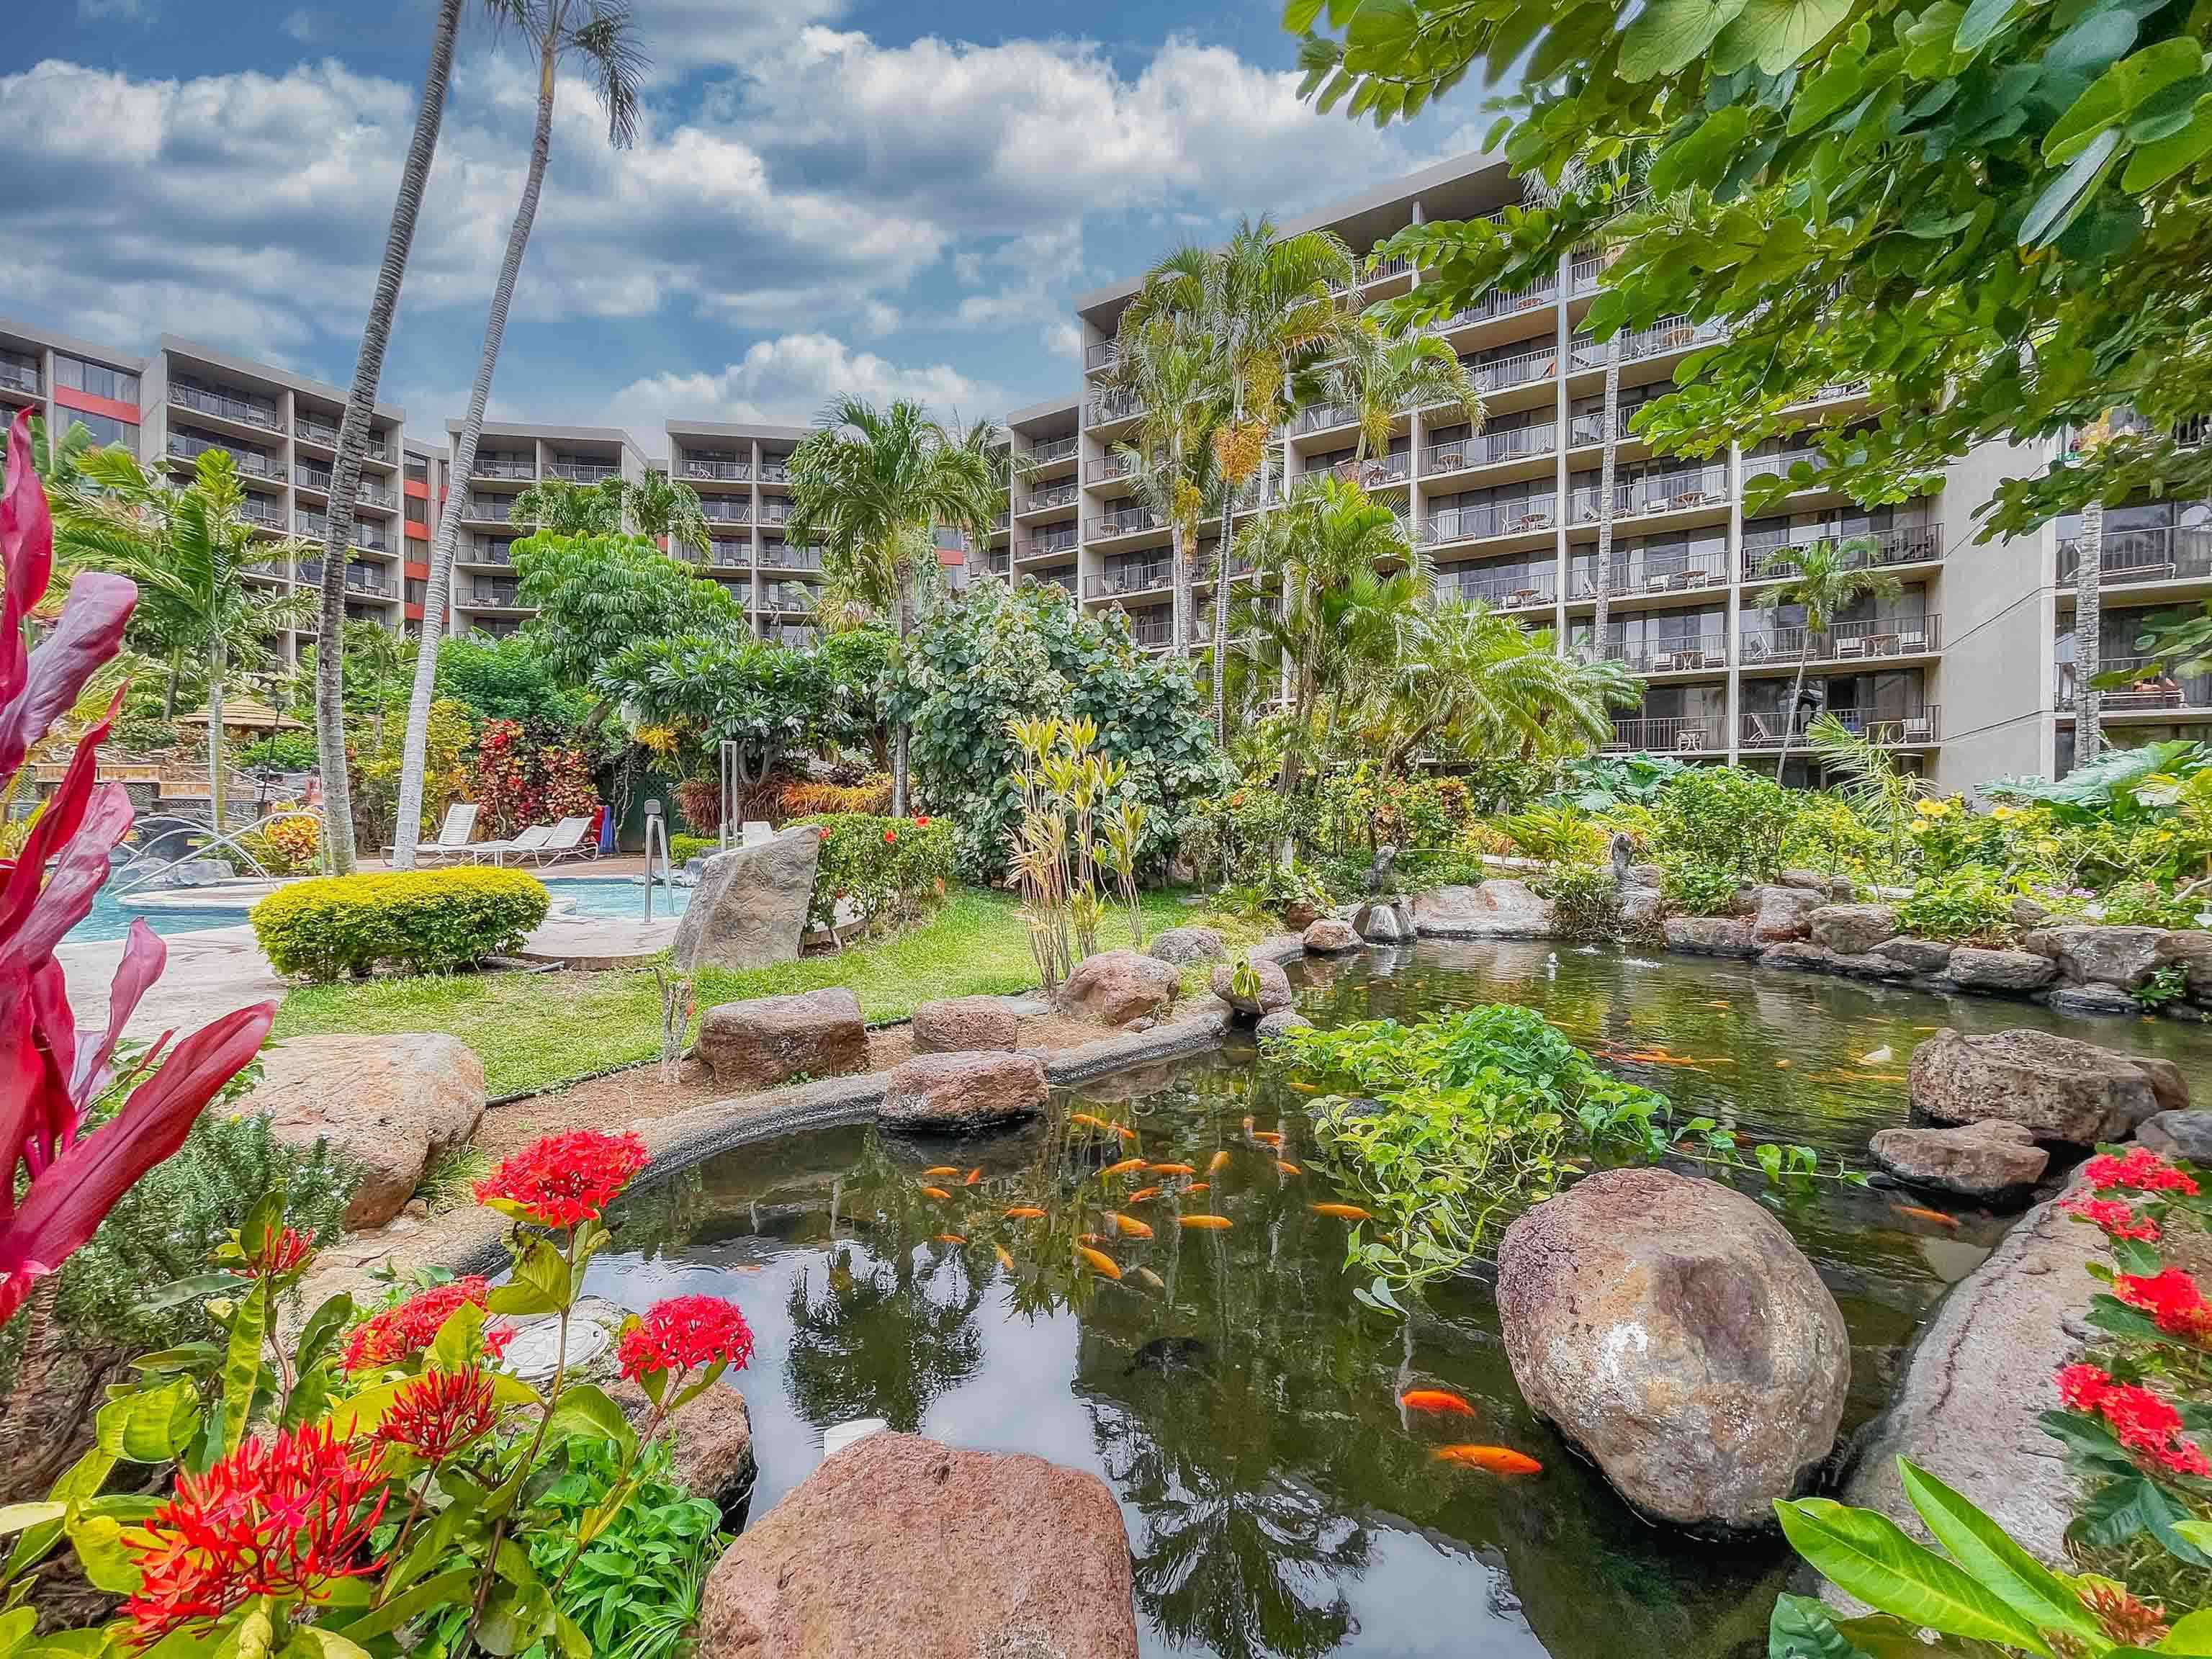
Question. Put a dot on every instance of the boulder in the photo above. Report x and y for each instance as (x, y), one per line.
(1778, 913)
(1986, 1160)
(1118, 988)
(1384, 922)
(1641, 907)
(2095, 1002)
(962, 1091)
(1330, 936)
(2121, 957)
(1837, 889)
(766, 1040)
(1711, 936)
(750, 907)
(1802, 955)
(896, 1544)
(2026, 913)
(1185, 945)
(1922, 956)
(2000, 970)
(1282, 1020)
(392, 1106)
(710, 1440)
(954, 1023)
(2189, 948)
(1498, 908)
(2058, 1088)
(1852, 929)
(2186, 1135)
(1274, 990)
(1671, 1330)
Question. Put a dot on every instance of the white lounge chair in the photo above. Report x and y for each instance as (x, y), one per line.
(564, 842)
(526, 841)
(453, 833)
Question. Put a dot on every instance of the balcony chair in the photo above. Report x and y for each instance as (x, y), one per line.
(1662, 662)
(1853, 644)
(1691, 738)
(1763, 736)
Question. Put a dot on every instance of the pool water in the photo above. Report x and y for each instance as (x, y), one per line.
(616, 896)
(1239, 1402)
(111, 919)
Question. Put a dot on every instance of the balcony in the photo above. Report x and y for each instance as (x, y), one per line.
(307, 430)
(1898, 728)
(1488, 448)
(1667, 492)
(1473, 523)
(775, 510)
(2165, 553)
(775, 470)
(789, 598)
(494, 467)
(1112, 464)
(795, 636)
(1496, 304)
(721, 510)
(250, 463)
(1520, 368)
(480, 552)
(1583, 273)
(2152, 688)
(999, 522)
(262, 514)
(1126, 522)
(1679, 734)
(1371, 271)
(578, 471)
(1101, 354)
(491, 509)
(1589, 428)
(1053, 541)
(358, 578)
(1002, 564)
(1844, 642)
(1044, 501)
(1050, 452)
(730, 557)
(1692, 573)
(1877, 549)
(1661, 339)
(486, 596)
(724, 472)
(1315, 417)
(247, 411)
(21, 377)
(1376, 472)
(1705, 654)
(1525, 591)
(1106, 407)
(1779, 466)
(316, 527)
(781, 556)
(1149, 578)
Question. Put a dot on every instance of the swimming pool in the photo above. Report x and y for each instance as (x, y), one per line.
(615, 896)
(110, 918)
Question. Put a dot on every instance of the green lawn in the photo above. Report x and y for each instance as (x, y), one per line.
(536, 1031)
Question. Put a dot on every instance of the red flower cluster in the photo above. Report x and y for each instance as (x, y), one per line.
(2141, 1170)
(438, 1412)
(2142, 1422)
(2171, 1297)
(890, 835)
(685, 1331)
(286, 1518)
(280, 1254)
(567, 1179)
(921, 820)
(403, 1332)
(2113, 1215)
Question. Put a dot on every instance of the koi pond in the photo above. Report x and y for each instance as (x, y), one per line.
(1241, 1405)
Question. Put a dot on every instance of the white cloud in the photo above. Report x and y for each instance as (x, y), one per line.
(1062, 339)
(300, 25)
(787, 380)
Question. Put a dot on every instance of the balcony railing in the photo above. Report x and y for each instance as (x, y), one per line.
(263, 514)
(1043, 500)
(2164, 553)
(1036, 547)
(730, 556)
(1589, 428)
(1002, 564)
(245, 411)
(1906, 727)
(1126, 522)
(1520, 368)
(1876, 548)
(316, 526)
(1666, 492)
(781, 556)
(21, 377)
(1047, 453)
(1376, 472)
(1583, 273)
(250, 462)
(1486, 448)
(775, 469)
(1107, 406)
(1105, 468)
(483, 552)
(308, 429)
(493, 466)
(1395, 264)
(491, 508)
(1101, 354)
(775, 510)
(582, 471)
(1845, 641)
(727, 471)
(1628, 577)
(1520, 592)
(1467, 523)
(358, 578)
(501, 599)
(1132, 578)
(796, 637)
(1669, 335)
(1778, 465)
(796, 599)
(720, 509)
(1001, 521)
(1708, 651)
(2151, 686)
(1668, 734)
(1315, 416)
(1496, 304)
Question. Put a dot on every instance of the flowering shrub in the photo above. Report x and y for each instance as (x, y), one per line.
(521, 778)
(424, 921)
(565, 1180)
(888, 867)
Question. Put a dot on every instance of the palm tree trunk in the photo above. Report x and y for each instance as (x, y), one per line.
(1229, 489)
(1797, 690)
(215, 736)
(414, 750)
(1183, 605)
(2089, 628)
(1602, 587)
(353, 440)
(899, 734)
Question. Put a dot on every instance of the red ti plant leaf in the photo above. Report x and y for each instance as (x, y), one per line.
(27, 553)
(88, 632)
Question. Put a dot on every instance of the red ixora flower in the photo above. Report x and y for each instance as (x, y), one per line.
(2139, 1420)
(279, 1254)
(288, 1518)
(686, 1331)
(438, 1412)
(2114, 1215)
(2173, 1300)
(2141, 1170)
(567, 1179)
(403, 1332)
(890, 835)
(922, 819)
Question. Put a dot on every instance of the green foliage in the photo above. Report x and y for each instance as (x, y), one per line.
(1583, 902)
(598, 595)
(1250, 823)
(280, 752)
(2145, 904)
(423, 921)
(1969, 904)
(1725, 818)
(1598, 783)
(1001, 655)
(2111, 786)
(376, 763)
(891, 868)
(697, 691)
(1295, 883)
(682, 849)
(1554, 834)
(2169, 983)
(1692, 885)
(507, 679)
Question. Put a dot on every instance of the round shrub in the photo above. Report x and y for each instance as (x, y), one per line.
(887, 866)
(424, 921)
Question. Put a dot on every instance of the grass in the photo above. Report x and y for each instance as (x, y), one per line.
(537, 1031)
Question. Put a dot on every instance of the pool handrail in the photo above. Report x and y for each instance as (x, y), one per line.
(234, 840)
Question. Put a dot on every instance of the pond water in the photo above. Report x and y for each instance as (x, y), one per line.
(1239, 1402)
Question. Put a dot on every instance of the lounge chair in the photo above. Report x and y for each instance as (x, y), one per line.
(565, 841)
(453, 833)
(526, 841)
(1762, 735)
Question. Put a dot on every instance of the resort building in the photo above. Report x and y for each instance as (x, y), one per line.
(743, 475)
(510, 459)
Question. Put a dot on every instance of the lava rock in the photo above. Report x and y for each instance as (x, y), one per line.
(953, 1024)
(1384, 922)
(1498, 908)
(2058, 1088)
(1922, 956)
(1852, 929)
(766, 1041)
(1989, 1160)
(962, 1091)
(1779, 913)
(2095, 1001)
(1978, 969)
(1116, 987)
(1282, 1020)
(2189, 948)
(1274, 990)
(2186, 1135)
(750, 904)
(1711, 936)
(710, 1440)
(1671, 1330)
(1803, 956)
(1185, 945)
(1330, 936)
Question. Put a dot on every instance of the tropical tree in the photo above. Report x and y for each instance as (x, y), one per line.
(871, 486)
(598, 34)
(189, 550)
(1382, 375)
(1269, 306)
(2089, 613)
(1826, 578)
(656, 507)
(597, 595)
(353, 426)
(1173, 371)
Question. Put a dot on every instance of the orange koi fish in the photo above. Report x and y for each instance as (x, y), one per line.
(1123, 1167)
(1781, 1065)
(937, 1193)
(1288, 1169)
(1498, 1460)
(1123, 1130)
(1022, 1212)
(1913, 1211)
(1005, 1260)
(1213, 1165)
(1086, 1120)
(1435, 1400)
(1268, 1138)
(941, 1169)
(1129, 1226)
(1100, 1263)
(973, 1175)
(1170, 1168)
(1198, 1186)
(1143, 1193)
(1342, 1212)
(1299, 1088)
(951, 1238)
(1214, 1224)
(1151, 1278)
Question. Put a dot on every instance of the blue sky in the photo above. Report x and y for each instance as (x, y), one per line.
(827, 195)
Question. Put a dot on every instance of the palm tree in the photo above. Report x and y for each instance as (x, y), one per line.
(353, 429)
(2089, 613)
(1384, 375)
(871, 486)
(598, 33)
(1173, 375)
(189, 551)
(1267, 307)
(656, 507)
(1825, 578)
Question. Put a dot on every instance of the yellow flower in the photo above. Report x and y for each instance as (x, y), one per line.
(1932, 808)
(2001, 813)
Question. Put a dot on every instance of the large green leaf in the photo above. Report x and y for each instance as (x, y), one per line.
(2152, 164)
(2065, 197)
(1989, 1553)
(584, 1413)
(1667, 33)
(1777, 33)
(149, 1425)
(1799, 1628)
(540, 1284)
(1867, 1555)
(2192, 1635)
(241, 1364)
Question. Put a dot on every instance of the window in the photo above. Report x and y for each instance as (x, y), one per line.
(97, 379)
(417, 588)
(418, 472)
(104, 429)
(418, 510)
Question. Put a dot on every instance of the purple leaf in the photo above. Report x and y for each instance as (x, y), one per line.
(27, 552)
(28, 937)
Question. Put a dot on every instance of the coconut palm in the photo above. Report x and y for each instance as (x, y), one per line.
(1173, 374)
(189, 550)
(656, 507)
(871, 486)
(353, 427)
(1384, 375)
(597, 35)
(1826, 578)
(1267, 306)
(2089, 613)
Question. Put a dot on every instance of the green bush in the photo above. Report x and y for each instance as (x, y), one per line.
(1726, 817)
(1583, 902)
(889, 867)
(1968, 904)
(2146, 904)
(280, 752)
(425, 921)
(1251, 822)
(1696, 886)
(682, 849)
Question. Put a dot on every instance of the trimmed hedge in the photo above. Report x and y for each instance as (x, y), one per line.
(682, 849)
(886, 866)
(423, 921)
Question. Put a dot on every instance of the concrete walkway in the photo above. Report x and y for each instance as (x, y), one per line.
(208, 973)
